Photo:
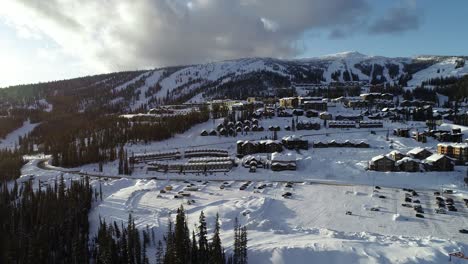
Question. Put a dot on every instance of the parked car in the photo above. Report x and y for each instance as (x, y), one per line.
(375, 209)
(448, 191)
(406, 205)
(463, 231)
(416, 201)
(420, 215)
(440, 211)
(382, 196)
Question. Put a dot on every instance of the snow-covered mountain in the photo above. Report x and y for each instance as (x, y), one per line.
(253, 76)
(240, 78)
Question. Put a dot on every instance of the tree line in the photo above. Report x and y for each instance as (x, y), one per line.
(46, 225)
(116, 243)
(11, 162)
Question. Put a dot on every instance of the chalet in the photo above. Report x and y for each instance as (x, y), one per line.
(312, 113)
(289, 102)
(419, 153)
(446, 136)
(281, 162)
(396, 155)
(270, 146)
(420, 137)
(250, 161)
(204, 133)
(315, 105)
(401, 132)
(408, 164)
(213, 132)
(293, 142)
(307, 126)
(248, 147)
(438, 162)
(382, 163)
(298, 112)
(457, 151)
(325, 116)
(284, 114)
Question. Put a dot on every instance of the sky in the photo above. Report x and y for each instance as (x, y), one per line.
(58, 39)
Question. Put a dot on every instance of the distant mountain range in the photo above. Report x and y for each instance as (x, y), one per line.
(239, 78)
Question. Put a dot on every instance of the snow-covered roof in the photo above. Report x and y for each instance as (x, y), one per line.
(434, 157)
(292, 138)
(376, 158)
(285, 157)
(406, 159)
(417, 150)
(395, 152)
(454, 145)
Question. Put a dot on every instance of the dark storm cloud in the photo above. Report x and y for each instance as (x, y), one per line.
(129, 34)
(397, 20)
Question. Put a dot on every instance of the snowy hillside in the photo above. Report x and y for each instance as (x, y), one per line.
(445, 68)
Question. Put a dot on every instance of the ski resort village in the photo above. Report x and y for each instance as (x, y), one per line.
(346, 158)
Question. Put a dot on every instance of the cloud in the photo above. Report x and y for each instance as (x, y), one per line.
(129, 34)
(397, 20)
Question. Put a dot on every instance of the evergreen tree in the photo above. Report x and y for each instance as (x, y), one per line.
(216, 249)
(202, 239)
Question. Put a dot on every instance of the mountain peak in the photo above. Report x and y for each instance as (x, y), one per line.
(347, 54)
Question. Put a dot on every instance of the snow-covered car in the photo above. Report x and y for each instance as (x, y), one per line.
(440, 211)
(463, 231)
(420, 215)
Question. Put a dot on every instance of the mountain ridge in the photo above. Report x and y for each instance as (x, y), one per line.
(256, 76)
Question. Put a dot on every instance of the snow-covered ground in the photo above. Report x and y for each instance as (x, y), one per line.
(445, 68)
(11, 140)
(311, 226)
